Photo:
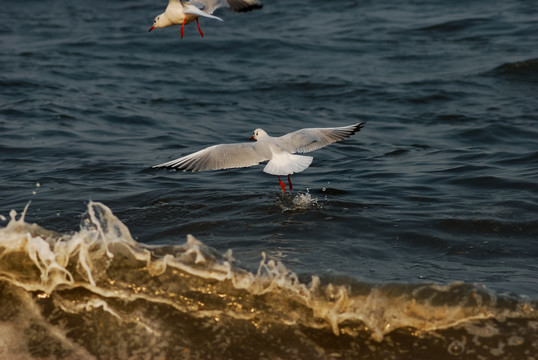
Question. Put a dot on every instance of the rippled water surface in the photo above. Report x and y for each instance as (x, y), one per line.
(418, 235)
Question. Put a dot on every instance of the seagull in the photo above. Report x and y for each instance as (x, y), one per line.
(183, 12)
(277, 150)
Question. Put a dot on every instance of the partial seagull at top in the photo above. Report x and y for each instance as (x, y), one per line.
(277, 150)
(184, 12)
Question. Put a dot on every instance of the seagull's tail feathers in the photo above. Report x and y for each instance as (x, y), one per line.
(287, 164)
(195, 11)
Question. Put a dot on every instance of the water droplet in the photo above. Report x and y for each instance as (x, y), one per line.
(456, 347)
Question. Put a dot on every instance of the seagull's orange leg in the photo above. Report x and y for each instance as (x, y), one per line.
(182, 31)
(289, 182)
(200, 30)
(282, 185)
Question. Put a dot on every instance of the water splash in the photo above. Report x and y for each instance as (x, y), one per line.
(298, 202)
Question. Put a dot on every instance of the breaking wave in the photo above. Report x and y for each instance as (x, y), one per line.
(98, 294)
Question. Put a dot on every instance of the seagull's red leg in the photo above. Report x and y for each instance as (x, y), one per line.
(200, 30)
(182, 32)
(289, 182)
(282, 185)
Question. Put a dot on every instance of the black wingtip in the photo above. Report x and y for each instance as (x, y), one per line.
(358, 127)
(249, 8)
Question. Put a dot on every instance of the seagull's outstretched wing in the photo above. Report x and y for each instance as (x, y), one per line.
(209, 6)
(225, 156)
(306, 140)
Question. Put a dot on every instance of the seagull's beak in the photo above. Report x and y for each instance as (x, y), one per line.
(153, 27)
(252, 138)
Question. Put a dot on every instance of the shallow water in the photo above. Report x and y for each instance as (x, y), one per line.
(433, 203)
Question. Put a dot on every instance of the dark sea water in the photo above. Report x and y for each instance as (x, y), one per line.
(417, 238)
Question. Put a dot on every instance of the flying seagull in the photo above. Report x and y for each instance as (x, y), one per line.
(184, 12)
(277, 150)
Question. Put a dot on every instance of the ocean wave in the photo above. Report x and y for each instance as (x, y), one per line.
(97, 293)
(524, 71)
(456, 25)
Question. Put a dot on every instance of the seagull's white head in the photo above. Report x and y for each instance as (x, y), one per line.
(258, 134)
(160, 21)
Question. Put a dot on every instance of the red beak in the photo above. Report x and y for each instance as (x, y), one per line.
(153, 27)
(252, 138)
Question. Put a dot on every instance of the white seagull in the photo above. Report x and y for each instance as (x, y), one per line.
(278, 150)
(183, 12)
